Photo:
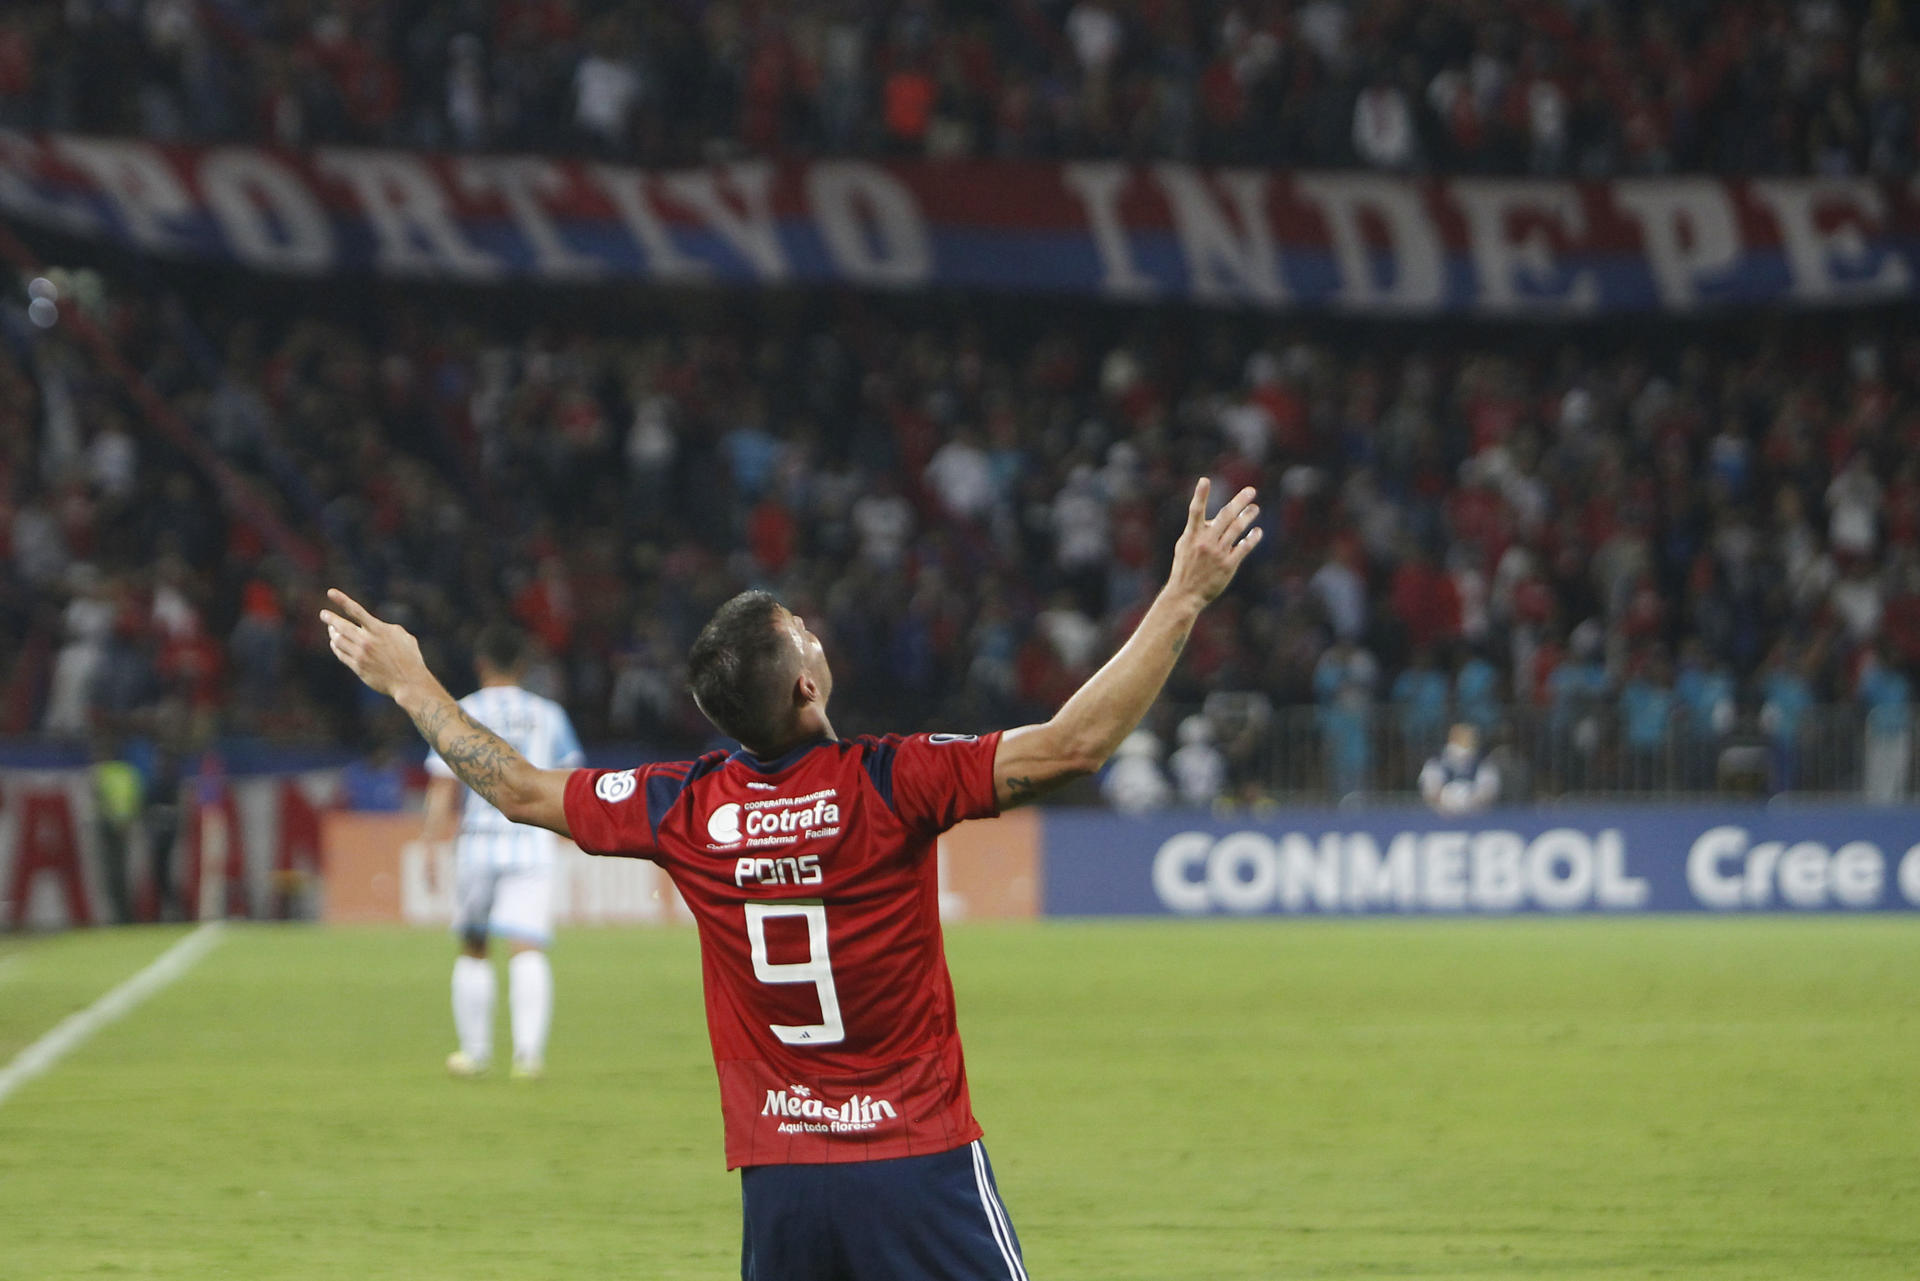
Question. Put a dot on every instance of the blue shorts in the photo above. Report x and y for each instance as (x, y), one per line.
(914, 1218)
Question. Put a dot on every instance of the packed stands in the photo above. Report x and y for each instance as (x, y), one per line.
(1630, 549)
(1557, 87)
(1710, 528)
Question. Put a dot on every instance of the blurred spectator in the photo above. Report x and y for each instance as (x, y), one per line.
(1476, 696)
(1343, 685)
(1198, 767)
(1857, 601)
(1853, 501)
(117, 804)
(162, 823)
(1886, 694)
(1646, 714)
(908, 95)
(89, 623)
(1786, 696)
(258, 646)
(1576, 689)
(1705, 697)
(1081, 535)
(1133, 783)
(962, 477)
(1420, 704)
(606, 88)
(39, 548)
(1460, 778)
(1426, 601)
(1342, 591)
(1384, 136)
(884, 521)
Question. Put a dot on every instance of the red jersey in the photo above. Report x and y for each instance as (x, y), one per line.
(814, 883)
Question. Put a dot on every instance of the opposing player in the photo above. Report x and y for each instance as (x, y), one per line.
(808, 862)
(503, 874)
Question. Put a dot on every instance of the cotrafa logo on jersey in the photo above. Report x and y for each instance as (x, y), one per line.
(777, 820)
(801, 1113)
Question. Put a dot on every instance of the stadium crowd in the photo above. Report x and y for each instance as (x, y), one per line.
(971, 511)
(1584, 87)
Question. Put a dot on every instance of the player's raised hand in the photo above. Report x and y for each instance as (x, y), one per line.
(1209, 551)
(384, 655)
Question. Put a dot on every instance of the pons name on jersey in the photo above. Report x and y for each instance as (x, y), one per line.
(816, 1116)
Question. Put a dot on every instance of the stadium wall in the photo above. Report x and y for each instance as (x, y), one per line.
(286, 851)
(259, 836)
(377, 869)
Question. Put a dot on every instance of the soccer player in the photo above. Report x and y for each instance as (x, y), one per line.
(503, 873)
(808, 863)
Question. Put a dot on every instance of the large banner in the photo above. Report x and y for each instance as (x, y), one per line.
(1600, 860)
(1347, 241)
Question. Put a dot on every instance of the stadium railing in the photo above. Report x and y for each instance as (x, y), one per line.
(1320, 754)
(1307, 754)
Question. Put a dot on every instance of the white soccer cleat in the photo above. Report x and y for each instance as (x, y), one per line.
(528, 1070)
(464, 1065)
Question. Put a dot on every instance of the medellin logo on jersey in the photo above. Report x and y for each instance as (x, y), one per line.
(816, 1116)
(616, 787)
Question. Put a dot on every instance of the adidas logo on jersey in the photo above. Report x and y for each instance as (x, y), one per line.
(811, 1115)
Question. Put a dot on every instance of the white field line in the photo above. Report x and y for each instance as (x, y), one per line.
(74, 1030)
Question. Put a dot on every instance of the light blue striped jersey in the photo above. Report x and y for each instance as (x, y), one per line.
(539, 730)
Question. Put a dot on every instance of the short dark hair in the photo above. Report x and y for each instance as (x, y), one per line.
(741, 670)
(501, 646)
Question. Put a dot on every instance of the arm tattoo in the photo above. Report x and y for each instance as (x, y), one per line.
(482, 759)
(1021, 790)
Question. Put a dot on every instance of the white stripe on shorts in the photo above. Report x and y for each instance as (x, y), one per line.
(996, 1217)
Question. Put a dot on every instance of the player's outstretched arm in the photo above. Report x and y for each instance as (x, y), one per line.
(1035, 759)
(387, 657)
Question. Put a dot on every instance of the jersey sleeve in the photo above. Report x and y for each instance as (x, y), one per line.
(619, 811)
(933, 781)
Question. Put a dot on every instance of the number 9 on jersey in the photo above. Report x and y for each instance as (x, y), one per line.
(817, 969)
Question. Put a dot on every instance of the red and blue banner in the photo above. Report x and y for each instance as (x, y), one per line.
(1353, 242)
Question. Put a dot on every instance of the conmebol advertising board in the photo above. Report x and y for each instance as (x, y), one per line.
(1603, 860)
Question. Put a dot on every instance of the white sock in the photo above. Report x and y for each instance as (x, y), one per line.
(530, 998)
(473, 985)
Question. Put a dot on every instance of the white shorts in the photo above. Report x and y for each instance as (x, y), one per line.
(515, 904)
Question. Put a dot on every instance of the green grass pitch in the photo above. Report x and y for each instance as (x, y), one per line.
(1697, 1099)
